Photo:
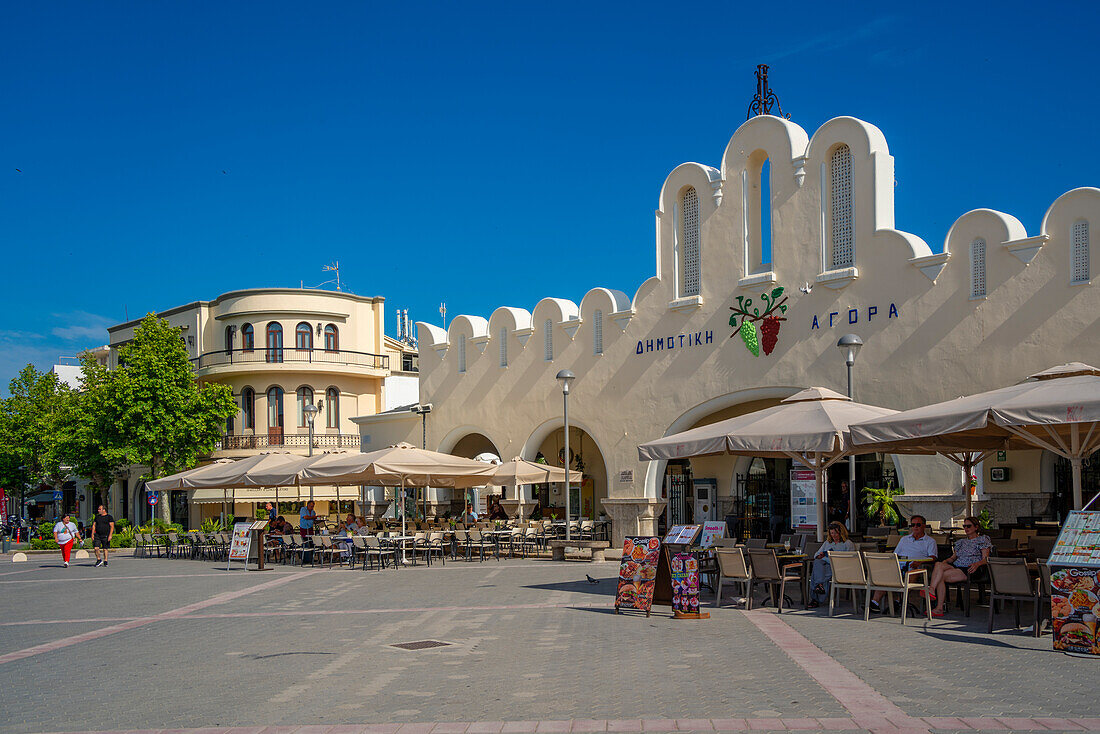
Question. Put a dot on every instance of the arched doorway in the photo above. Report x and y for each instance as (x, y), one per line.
(585, 456)
(470, 445)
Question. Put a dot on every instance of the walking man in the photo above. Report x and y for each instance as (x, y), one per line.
(103, 529)
(65, 532)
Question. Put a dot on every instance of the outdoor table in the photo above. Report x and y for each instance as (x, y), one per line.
(803, 562)
(497, 536)
(402, 540)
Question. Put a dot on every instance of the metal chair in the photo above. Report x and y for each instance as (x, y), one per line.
(376, 551)
(848, 573)
(884, 574)
(756, 543)
(732, 567)
(1010, 581)
(766, 570)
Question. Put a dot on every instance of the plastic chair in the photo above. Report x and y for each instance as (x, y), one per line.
(732, 567)
(848, 573)
(884, 574)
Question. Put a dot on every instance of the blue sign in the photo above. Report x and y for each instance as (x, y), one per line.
(57, 495)
(153, 496)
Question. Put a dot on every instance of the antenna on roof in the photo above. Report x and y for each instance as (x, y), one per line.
(333, 267)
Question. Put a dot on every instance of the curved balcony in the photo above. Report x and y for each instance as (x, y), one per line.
(276, 439)
(323, 359)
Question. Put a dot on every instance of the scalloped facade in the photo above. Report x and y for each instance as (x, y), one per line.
(671, 359)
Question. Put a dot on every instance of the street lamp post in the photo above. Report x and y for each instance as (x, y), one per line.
(311, 413)
(566, 377)
(849, 345)
(422, 409)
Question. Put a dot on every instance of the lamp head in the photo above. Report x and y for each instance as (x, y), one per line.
(311, 412)
(849, 345)
(566, 377)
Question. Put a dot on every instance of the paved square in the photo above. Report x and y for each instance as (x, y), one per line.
(155, 644)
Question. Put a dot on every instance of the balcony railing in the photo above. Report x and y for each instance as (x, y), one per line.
(230, 442)
(295, 355)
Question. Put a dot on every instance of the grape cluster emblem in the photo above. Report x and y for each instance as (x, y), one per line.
(746, 316)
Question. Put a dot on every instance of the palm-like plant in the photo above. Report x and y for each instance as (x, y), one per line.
(879, 504)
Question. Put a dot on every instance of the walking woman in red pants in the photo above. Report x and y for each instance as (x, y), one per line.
(65, 532)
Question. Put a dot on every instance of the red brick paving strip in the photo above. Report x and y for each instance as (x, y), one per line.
(170, 614)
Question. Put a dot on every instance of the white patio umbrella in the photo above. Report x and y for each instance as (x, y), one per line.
(810, 427)
(1057, 409)
(520, 471)
(403, 466)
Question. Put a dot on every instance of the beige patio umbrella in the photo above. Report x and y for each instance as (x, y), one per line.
(1057, 409)
(402, 466)
(810, 427)
(521, 471)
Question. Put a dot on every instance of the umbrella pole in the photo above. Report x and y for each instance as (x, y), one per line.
(1078, 495)
(404, 560)
(818, 472)
(968, 469)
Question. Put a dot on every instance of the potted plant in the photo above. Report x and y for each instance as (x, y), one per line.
(879, 504)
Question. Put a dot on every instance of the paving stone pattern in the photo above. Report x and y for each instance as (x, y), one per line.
(533, 644)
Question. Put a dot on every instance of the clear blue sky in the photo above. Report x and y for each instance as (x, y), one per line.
(169, 152)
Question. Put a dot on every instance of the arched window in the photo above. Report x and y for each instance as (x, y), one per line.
(840, 204)
(303, 336)
(275, 409)
(503, 347)
(597, 332)
(1079, 259)
(977, 268)
(332, 408)
(228, 339)
(461, 352)
(332, 338)
(548, 340)
(305, 397)
(248, 409)
(274, 342)
(689, 242)
(248, 338)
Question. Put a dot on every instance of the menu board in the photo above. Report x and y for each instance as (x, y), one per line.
(242, 540)
(638, 573)
(803, 499)
(712, 531)
(685, 583)
(1079, 542)
(682, 534)
(1074, 607)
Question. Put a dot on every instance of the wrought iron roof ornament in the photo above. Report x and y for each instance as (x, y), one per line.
(765, 98)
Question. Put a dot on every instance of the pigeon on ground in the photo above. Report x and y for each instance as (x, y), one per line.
(591, 580)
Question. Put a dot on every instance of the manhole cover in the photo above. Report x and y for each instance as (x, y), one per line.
(421, 645)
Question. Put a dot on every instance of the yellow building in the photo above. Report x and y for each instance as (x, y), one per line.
(281, 349)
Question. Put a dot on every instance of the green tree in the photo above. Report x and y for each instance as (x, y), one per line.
(165, 419)
(880, 505)
(90, 439)
(31, 430)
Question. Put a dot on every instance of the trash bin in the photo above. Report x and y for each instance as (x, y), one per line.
(5, 546)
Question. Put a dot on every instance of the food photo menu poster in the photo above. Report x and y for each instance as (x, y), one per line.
(685, 583)
(638, 573)
(1075, 588)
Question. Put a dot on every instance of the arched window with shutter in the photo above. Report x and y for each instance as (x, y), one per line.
(977, 268)
(248, 338)
(248, 409)
(548, 340)
(461, 352)
(840, 206)
(332, 338)
(305, 397)
(689, 243)
(275, 410)
(1079, 257)
(229, 340)
(503, 346)
(274, 342)
(597, 332)
(303, 336)
(332, 408)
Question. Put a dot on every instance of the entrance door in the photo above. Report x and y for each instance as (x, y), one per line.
(178, 507)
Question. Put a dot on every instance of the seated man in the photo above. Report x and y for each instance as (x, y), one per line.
(351, 525)
(917, 544)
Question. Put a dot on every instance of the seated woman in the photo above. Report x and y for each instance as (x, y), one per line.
(822, 572)
(969, 558)
(351, 525)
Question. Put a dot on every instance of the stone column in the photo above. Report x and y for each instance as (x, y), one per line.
(632, 516)
(373, 503)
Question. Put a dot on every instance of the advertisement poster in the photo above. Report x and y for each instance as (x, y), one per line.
(638, 573)
(803, 499)
(3, 507)
(685, 583)
(242, 539)
(712, 531)
(1074, 607)
(1079, 541)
